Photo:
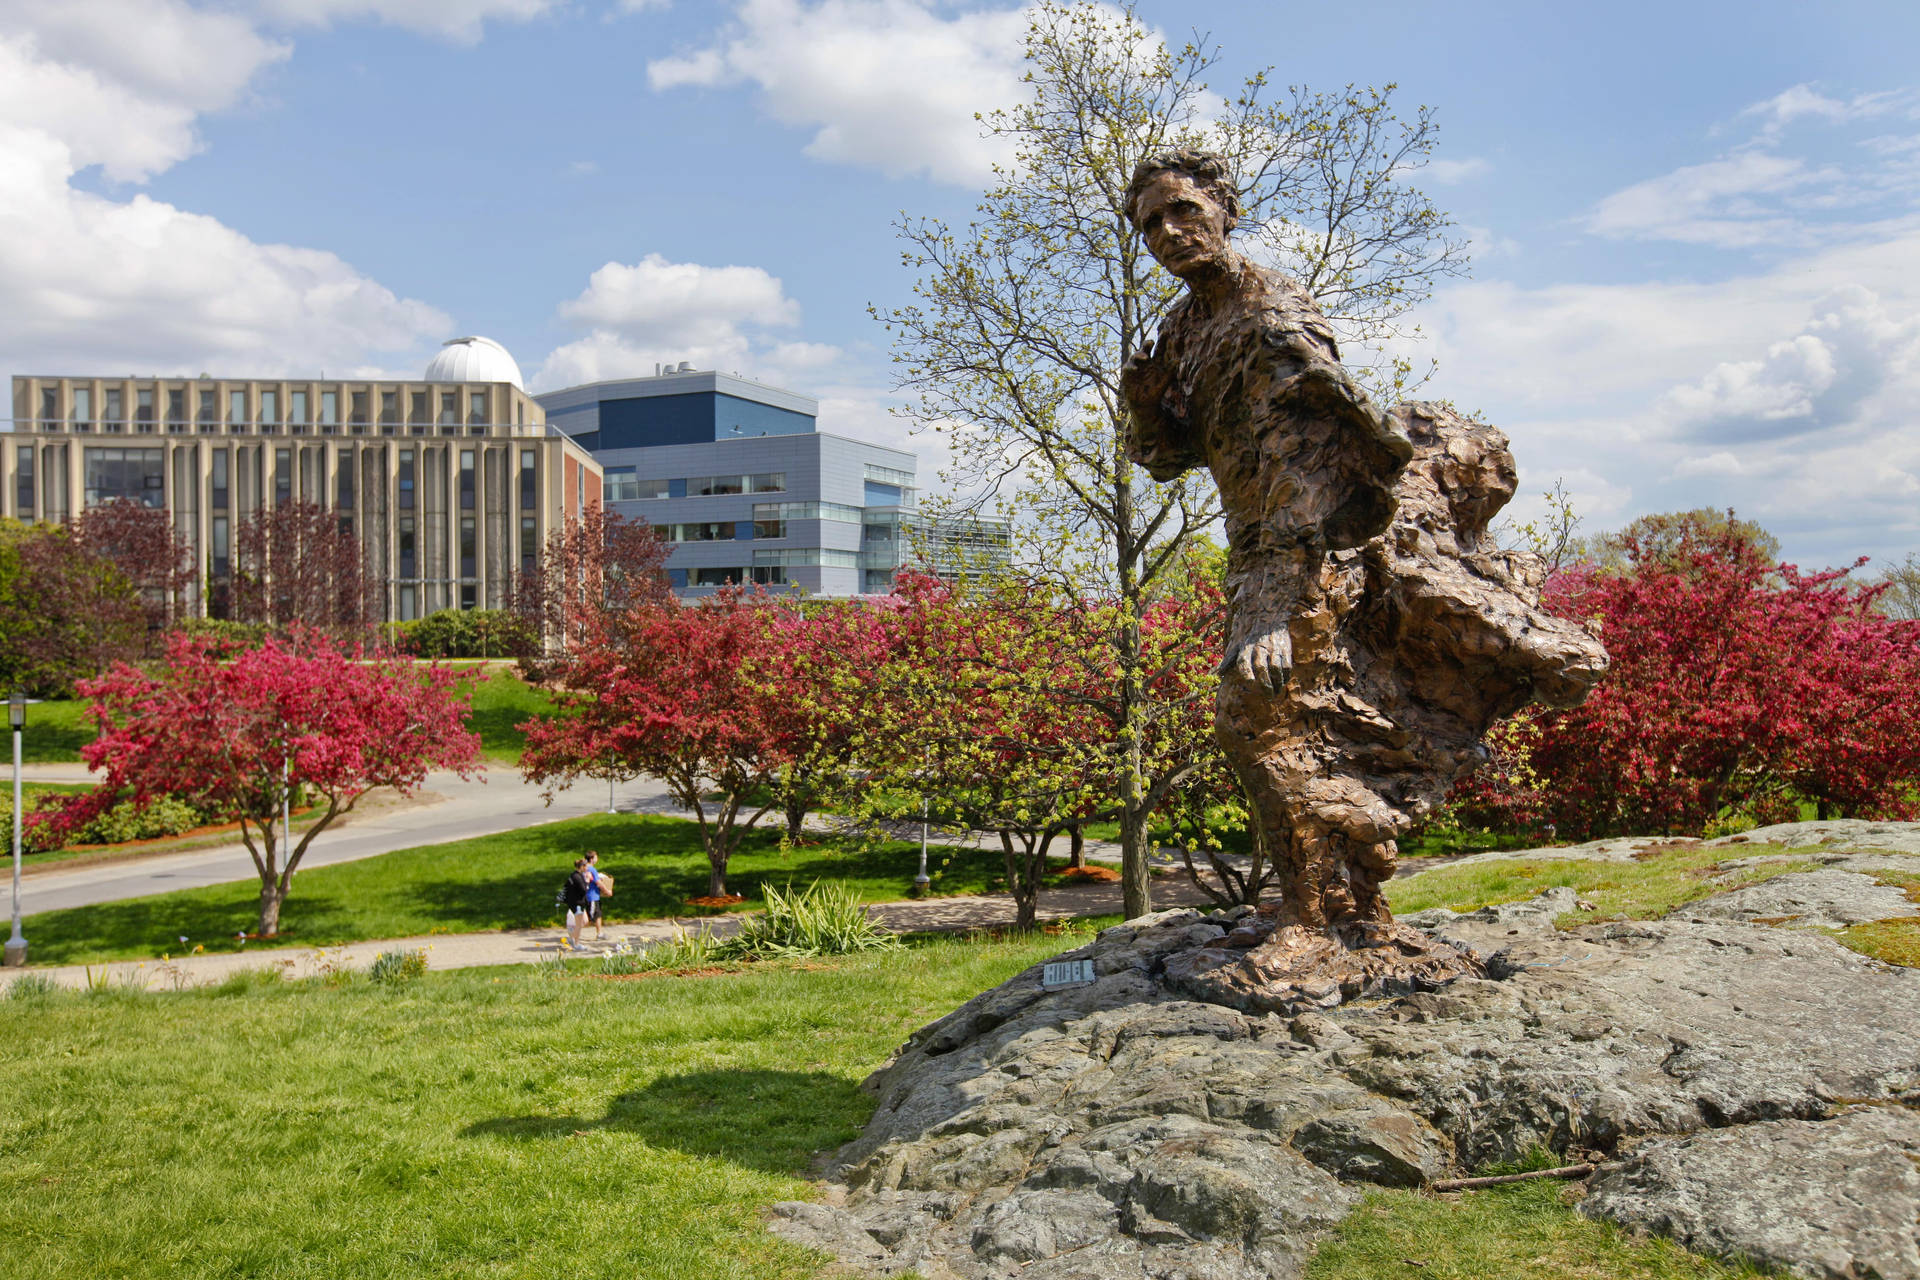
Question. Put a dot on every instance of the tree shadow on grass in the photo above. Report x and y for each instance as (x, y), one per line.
(767, 1121)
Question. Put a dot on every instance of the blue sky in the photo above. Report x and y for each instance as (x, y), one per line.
(1697, 252)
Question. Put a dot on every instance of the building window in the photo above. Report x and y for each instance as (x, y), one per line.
(143, 408)
(217, 474)
(409, 605)
(358, 408)
(222, 532)
(711, 531)
(449, 408)
(773, 575)
(713, 486)
(236, 407)
(477, 409)
(23, 480)
(528, 490)
(49, 406)
(579, 490)
(650, 488)
(466, 479)
(406, 479)
(282, 477)
(135, 474)
(621, 486)
(176, 409)
(209, 414)
(529, 545)
(389, 408)
(83, 407)
(297, 408)
(769, 529)
(418, 410)
(329, 408)
(889, 475)
(269, 412)
(116, 409)
(343, 480)
(767, 482)
(713, 577)
(469, 596)
(467, 550)
(409, 561)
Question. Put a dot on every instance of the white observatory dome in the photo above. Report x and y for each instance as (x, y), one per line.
(474, 360)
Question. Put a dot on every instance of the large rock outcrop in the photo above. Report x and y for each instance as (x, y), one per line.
(1125, 1129)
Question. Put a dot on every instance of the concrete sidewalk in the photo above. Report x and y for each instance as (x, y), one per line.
(528, 946)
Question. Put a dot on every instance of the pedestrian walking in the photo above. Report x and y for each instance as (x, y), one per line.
(573, 895)
(599, 885)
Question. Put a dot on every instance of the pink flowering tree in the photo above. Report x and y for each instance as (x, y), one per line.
(304, 716)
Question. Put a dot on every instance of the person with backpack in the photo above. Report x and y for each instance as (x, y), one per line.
(573, 895)
(598, 886)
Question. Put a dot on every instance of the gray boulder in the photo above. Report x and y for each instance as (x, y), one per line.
(1124, 1129)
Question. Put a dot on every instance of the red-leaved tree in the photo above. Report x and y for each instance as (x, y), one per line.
(296, 563)
(676, 692)
(300, 716)
(591, 571)
(142, 543)
(1738, 686)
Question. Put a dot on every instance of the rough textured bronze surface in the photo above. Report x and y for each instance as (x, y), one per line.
(1375, 631)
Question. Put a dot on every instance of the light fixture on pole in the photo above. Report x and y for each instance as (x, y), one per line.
(923, 881)
(16, 949)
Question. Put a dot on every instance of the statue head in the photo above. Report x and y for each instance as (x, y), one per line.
(1184, 203)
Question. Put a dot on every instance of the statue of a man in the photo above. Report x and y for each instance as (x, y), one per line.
(1375, 629)
(1245, 379)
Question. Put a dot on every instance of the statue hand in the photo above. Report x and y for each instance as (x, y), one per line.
(1144, 380)
(1264, 661)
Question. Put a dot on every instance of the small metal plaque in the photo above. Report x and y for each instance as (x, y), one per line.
(1066, 973)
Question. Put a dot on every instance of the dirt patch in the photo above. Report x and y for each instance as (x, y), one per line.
(717, 900)
(1090, 875)
(1659, 848)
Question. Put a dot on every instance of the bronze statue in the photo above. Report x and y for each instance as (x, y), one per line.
(1374, 631)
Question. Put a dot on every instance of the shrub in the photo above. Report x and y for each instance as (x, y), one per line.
(467, 633)
(397, 966)
(36, 836)
(824, 919)
(127, 821)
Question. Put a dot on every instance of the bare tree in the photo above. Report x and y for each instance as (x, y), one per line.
(600, 564)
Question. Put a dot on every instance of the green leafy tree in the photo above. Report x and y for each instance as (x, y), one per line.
(1024, 317)
(1665, 538)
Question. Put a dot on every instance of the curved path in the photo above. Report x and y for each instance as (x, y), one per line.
(448, 808)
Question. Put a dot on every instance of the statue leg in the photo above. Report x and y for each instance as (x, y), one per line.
(1368, 867)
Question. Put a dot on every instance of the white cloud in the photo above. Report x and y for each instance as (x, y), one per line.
(886, 84)
(657, 311)
(1787, 394)
(1448, 172)
(1731, 202)
(1803, 101)
(92, 282)
(461, 20)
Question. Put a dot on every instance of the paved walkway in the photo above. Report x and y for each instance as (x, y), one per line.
(529, 946)
(447, 808)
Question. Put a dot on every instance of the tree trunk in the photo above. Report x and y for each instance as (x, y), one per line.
(717, 875)
(1024, 870)
(271, 896)
(796, 811)
(1077, 856)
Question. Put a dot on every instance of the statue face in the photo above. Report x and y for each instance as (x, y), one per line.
(1185, 228)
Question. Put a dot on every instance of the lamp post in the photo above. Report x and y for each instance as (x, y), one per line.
(923, 881)
(16, 949)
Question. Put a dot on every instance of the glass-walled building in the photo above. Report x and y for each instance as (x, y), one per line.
(738, 478)
(452, 483)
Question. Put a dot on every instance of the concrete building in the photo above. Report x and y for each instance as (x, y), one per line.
(453, 481)
(744, 485)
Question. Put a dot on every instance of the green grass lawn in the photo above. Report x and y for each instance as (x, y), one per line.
(56, 730)
(502, 702)
(489, 1123)
(503, 881)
